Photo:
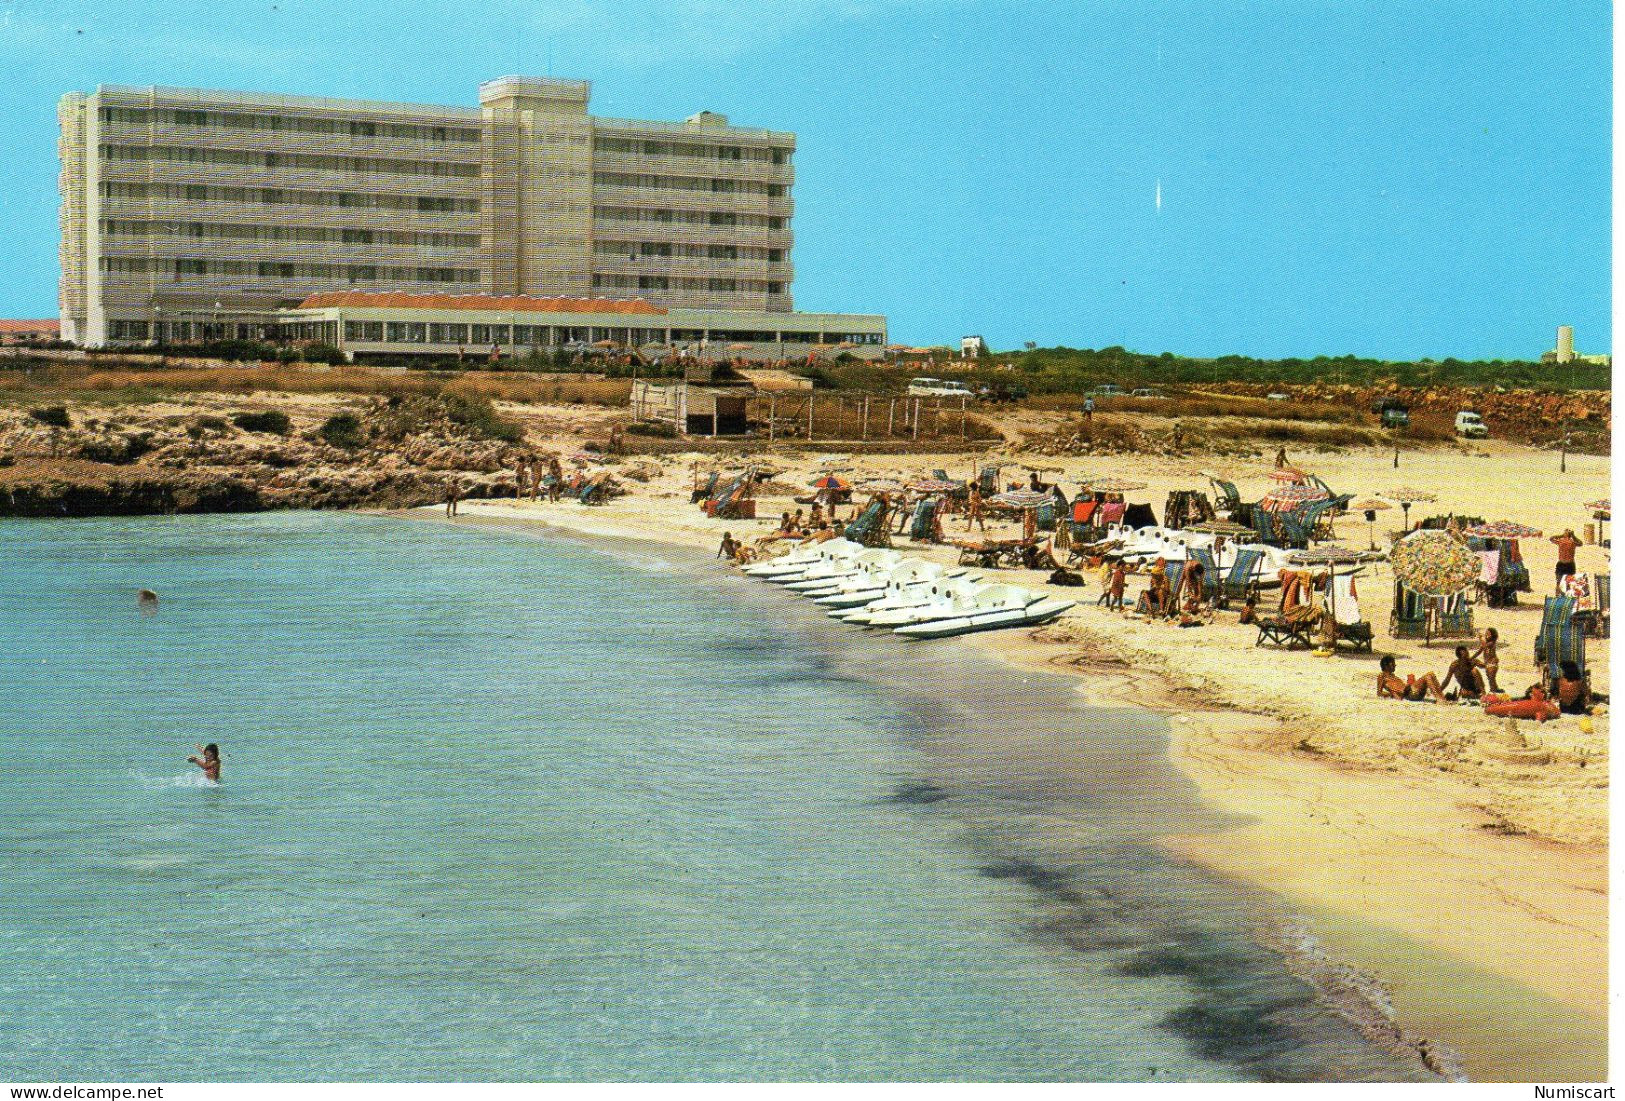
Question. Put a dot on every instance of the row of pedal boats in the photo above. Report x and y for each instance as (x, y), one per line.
(877, 588)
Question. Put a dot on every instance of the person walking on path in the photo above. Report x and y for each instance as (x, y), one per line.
(1567, 544)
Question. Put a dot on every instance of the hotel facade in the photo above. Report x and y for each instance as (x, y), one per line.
(195, 214)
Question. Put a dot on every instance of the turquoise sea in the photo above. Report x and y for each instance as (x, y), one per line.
(508, 806)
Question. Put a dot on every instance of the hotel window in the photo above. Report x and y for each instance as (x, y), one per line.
(723, 252)
(357, 236)
(723, 218)
(652, 283)
(725, 286)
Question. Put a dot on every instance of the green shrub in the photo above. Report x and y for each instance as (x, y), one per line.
(270, 420)
(322, 353)
(54, 415)
(480, 416)
(652, 428)
(343, 430)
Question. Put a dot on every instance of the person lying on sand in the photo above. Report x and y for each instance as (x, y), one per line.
(1389, 686)
(1573, 696)
(209, 762)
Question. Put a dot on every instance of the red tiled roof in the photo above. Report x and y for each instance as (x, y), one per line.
(46, 325)
(506, 303)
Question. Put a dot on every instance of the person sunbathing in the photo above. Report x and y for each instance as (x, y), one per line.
(1414, 689)
(1573, 696)
(1249, 612)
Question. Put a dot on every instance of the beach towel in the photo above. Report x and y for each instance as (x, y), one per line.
(1112, 512)
(1083, 511)
(1347, 601)
(1490, 571)
(1578, 587)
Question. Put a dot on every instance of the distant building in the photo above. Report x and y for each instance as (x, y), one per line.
(29, 332)
(1565, 353)
(192, 215)
(710, 400)
(970, 347)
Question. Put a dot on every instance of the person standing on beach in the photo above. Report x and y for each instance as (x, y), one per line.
(1567, 544)
(1088, 410)
(209, 762)
(1119, 582)
(521, 477)
(1487, 658)
(973, 508)
(1280, 458)
(454, 493)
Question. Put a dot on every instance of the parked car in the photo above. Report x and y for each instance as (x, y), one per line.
(1471, 425)
(1108, 389)
(1394, 413)
(1277, 396)
(1001, 392)
(938, 388)
(1145, 392)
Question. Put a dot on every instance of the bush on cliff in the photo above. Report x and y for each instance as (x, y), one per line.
(54, 415)
(479, 416)
(343, 430)
(270, 420)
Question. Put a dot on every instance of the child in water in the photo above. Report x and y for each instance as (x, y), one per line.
(209, 762)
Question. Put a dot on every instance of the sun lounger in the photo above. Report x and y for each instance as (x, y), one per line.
(1559, 639)
(700, 495)
(1241, 581)
(1212, 579)
(1264, 524)
(870, 528)
(919, 528)
(1278, 630)
(1294, 533)
(1430, 617)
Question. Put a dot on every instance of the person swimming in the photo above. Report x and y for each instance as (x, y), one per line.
(209, 762)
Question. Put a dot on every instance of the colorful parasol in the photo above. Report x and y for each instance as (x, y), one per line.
(1220, 527)
(934, 485)
(1112, 485)
(1332, 554)
(1604, 505)
(1434, 563)
(1288, 497)
(1288, 474)
(831, 481)
(1503, 529)
(1022, 498)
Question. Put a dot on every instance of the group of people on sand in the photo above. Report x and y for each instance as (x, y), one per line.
(533, 476)
(1471, 677)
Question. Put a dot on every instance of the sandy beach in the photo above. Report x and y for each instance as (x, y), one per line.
(1408, 834)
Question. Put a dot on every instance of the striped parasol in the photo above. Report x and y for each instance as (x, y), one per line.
(1291, 475)
(1503, 529)
(1604, 505)
(1112, 485)
(1220, 527)
(830, 481)
(1332, 554)
(1435, 563)
(1288, 497)
(1022, 498)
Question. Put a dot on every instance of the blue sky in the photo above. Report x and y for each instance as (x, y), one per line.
(1394, 179)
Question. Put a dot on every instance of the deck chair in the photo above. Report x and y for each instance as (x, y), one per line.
(700, 496)
(1212, 580)
(1264, 524)
(1226, 497)
(1351, 627)
(1559, 639)
(1278, 630)
(919, 528)
(1409, 618)
(1176, 574)
(1293, 532)
(988, 480)
(1452, 617)
(870, 526)
(1238, 583)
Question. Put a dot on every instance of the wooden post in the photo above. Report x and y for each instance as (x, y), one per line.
(772, 408)
(864, 431)
(916, 418)
(809, 416)
(963, 416)
(891, 417)
(840, 415)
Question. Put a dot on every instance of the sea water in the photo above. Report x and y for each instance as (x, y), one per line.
(501, 806)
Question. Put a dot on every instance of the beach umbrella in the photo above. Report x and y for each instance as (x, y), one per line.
(1023, 498)
(1503, 529)
(1288, 497)
(1407, 496)
(1434, 563)
(831, 481)
(1111, 485)
(1371, 506)
(934, 485)
(1291, 475)
(1220, 527)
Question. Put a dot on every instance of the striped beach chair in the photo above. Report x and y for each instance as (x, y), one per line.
(1240, 582)
(1559, 639)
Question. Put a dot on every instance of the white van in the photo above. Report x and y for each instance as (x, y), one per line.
(1471, 425)
(938, 388)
